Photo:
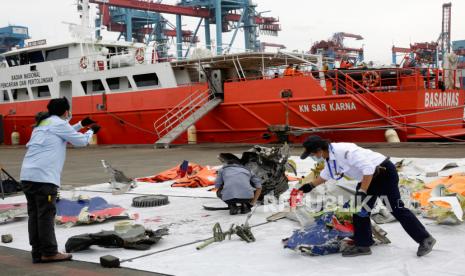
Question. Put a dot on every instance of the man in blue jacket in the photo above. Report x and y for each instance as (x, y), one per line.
(237, 186)
(41, 172)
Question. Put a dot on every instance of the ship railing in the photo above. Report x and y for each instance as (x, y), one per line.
(361, 90)
(397, 79)
(350, 86)
(319, 75)
(390, 79)
(439, 78)
(345, 84)
(374, 82)
(182, 111)
(99, 62)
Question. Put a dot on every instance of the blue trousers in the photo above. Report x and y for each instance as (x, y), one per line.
(385, 183)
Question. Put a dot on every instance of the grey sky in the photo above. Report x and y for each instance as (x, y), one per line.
(380, 22)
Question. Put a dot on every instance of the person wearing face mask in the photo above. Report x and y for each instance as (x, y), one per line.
(377, 176)
(41, 172)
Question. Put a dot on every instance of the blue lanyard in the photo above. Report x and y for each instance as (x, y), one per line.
(335, 167)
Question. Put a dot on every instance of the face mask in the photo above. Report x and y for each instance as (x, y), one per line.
(317, 159)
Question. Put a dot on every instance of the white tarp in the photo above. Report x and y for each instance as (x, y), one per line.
(188, 222)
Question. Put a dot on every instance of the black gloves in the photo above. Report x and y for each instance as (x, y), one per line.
(95, 128)
(87, 122)
(307, 188)
(360, 196)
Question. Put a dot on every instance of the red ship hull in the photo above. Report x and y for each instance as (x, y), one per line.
(250, 107)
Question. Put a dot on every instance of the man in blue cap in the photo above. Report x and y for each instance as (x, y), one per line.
(41, 172)
(377, 176)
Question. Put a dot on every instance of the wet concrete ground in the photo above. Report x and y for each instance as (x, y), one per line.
(83, 167)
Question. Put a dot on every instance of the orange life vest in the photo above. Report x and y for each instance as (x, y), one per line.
(171, 174)
(203, 178)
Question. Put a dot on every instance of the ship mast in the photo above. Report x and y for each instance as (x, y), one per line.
(82, 31)
(83, 9)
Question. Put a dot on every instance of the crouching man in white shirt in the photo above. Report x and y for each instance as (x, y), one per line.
(377, 176)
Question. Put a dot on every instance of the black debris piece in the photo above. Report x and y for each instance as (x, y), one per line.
(150, 201)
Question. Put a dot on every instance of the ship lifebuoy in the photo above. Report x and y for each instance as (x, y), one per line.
(371, 78)
(83, 62)
(140, 55)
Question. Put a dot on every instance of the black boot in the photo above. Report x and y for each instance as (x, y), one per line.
(36, 258)
(426, 246)
(233, 209)
(245, 208)
(356, 251)
(36, 255)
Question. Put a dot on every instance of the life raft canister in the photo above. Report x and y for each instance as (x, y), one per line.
(371, 78)
(15, 137)
(140, 53)
(391, 136)
(83, 62)
(192, 135)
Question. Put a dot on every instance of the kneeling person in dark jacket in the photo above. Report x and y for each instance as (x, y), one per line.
(237, 185)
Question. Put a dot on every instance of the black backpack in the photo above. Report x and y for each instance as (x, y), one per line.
(8, 184)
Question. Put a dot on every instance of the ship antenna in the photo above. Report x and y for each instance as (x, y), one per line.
(82, 31)
(83, 9)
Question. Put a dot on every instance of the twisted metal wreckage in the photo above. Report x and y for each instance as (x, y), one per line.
(119, 182)
(270, 165)
(9, 186)
(10, 212)
(330, 232)
(84, 210)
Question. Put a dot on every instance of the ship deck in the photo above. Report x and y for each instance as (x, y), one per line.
(247, 60)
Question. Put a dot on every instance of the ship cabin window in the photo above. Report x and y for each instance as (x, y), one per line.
(25, 58)
(12, 60)
(121, 50)
(97, 86)
(120, 83)
(35, 57)
(20, 94)
(42, 91)
(55, 54)
(93, 86)
(4, 97)
(144, 80)
(112, 51)
(84, 86)
(113, 83)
